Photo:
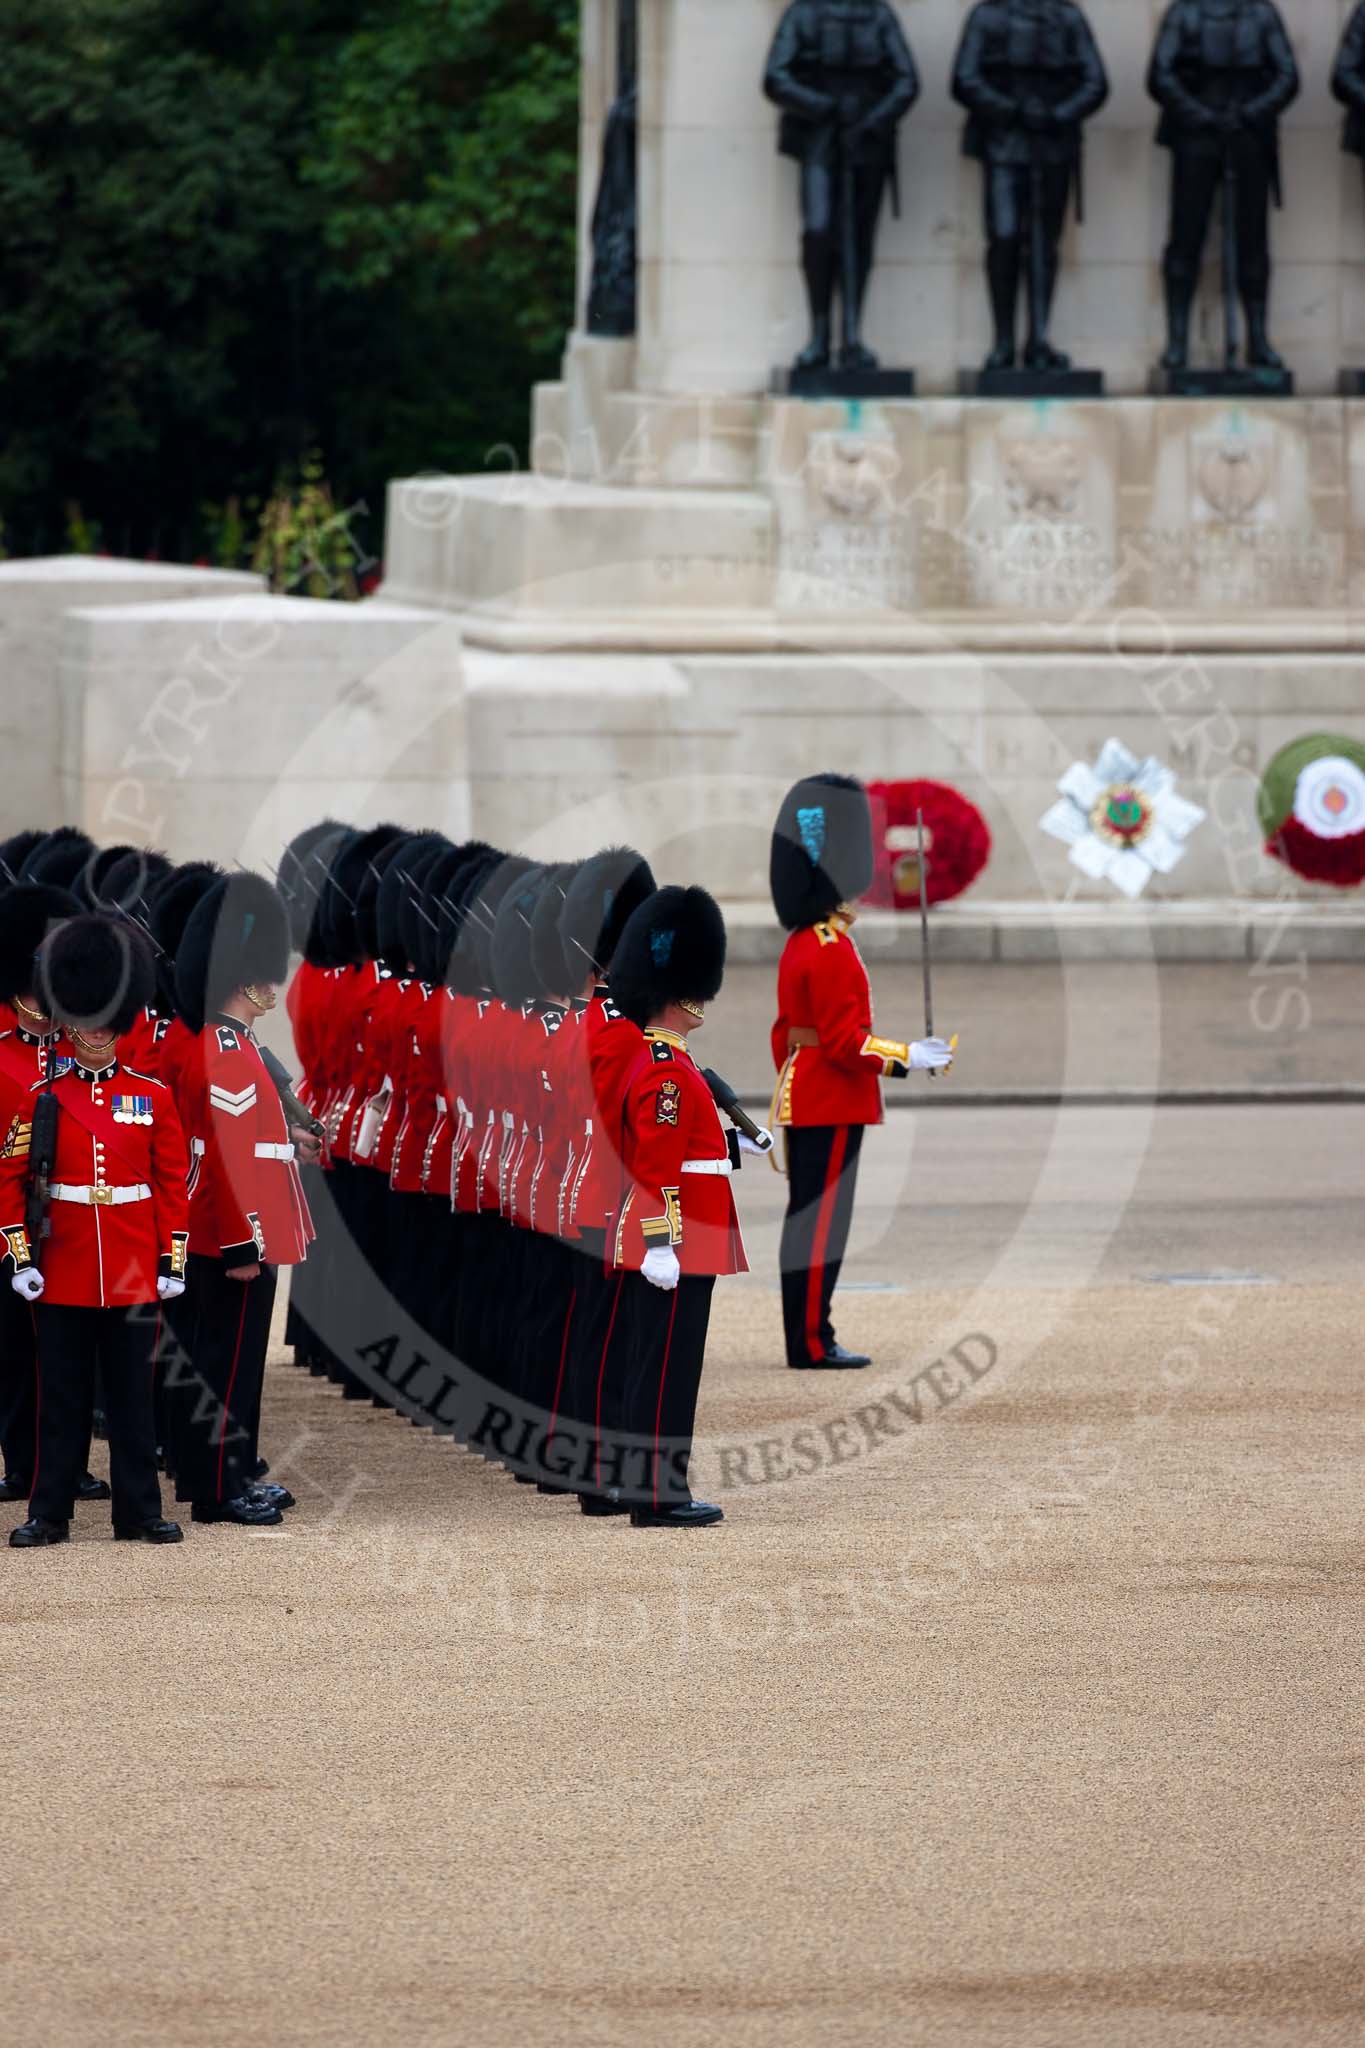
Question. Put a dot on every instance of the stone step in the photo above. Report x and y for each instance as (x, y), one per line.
(981, 930)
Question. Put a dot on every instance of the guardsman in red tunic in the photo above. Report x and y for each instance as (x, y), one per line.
(598, 904)
(248, 1216)
(830, 1062)
(676, 1228)
(311, 1002)
(116, 1238)
(123, 880)
(27, 913)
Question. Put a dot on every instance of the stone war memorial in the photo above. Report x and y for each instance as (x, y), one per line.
(900, 430)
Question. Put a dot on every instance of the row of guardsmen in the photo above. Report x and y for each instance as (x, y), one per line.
(504, 1181)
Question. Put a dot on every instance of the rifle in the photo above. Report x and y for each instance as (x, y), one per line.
(1229, 255)
(42, 1160)
(295, 1115)
(849, 239)
(1037, 242)
(725, 1098)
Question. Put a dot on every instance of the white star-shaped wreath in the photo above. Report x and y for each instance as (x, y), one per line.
(1122, 818)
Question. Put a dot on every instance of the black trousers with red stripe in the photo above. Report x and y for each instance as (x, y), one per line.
(213, 1392)
(822, 1178)
(74, 1344)
(18, 1386)
(651, 1373)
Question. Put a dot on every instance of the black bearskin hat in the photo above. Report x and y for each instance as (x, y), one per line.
(671, 951)
(400, 893)
(168, 913)
(822, 849)
(302, 873)
(602, 896)
(14, 851)
(455, 888)
(367, 895)
(473, 956)
(60, 858)
(553, 972)
(339, 911)
(424, 918)
(236, 936)
(96, 973)
(513, 968)
(126, 878)
(26, 915)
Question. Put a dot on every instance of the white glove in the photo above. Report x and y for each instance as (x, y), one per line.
(661, 1267)
(29, 1283)
(928, 1053)
(760, 1146)
(168, 1289)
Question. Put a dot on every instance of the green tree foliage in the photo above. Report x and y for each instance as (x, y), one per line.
(234, 235)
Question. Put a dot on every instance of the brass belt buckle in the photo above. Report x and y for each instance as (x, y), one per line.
(103, 1198)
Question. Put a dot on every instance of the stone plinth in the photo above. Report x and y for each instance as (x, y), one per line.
(43, 772)
(740, 523)
(220, 726)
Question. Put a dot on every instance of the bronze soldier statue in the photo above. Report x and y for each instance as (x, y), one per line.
(611, 292)
(1348, 82)
(1029, 73)
(1222, 73)
(842, 73)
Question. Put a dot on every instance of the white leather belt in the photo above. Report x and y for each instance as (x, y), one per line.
(707, 1166)
(264, 1151)
(101, 1198)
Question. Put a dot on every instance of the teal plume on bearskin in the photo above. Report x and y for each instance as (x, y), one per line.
(822, 853)
(671, 951)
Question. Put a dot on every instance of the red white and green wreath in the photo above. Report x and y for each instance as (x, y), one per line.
(1312, 806)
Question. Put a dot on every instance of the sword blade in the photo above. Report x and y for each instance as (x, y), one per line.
(926, 958)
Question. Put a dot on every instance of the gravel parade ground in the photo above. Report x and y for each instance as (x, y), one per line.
(1016, 1704)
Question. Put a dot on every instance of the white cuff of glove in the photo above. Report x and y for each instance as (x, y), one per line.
(168, 1289)
(29, 1283)
(928, 1053)
(760, 1146)
(661, 1267)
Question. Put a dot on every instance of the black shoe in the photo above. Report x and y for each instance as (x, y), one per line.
(150, 1532)
(260, 1468)
(91, 1488)
(1041, 355)
(35, 1535)
(248, 1513)
(855, 355)
(273, 1496)
(836, 1359)
(689, 1514)
(601, 1504)
(1001, 357)
(13, 1489)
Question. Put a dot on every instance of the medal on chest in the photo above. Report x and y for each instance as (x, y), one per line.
(131, 1109)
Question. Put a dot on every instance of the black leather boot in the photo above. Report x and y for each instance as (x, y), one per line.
(1179, 297)
(1260, 355)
